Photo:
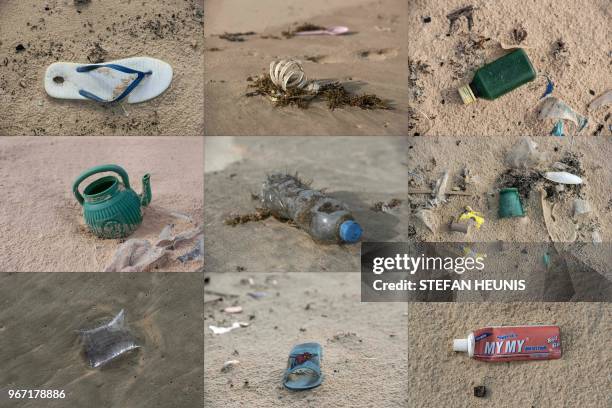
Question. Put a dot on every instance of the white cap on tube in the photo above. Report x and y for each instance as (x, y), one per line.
(465, 345)
(461, 345)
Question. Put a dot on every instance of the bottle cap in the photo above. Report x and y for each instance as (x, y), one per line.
(466, 94)
(350, 231)
(460, 345)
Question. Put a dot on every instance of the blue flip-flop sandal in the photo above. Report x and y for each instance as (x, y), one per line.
(304, 367)
(135, 79)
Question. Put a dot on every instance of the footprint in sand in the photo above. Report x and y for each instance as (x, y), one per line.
(378, 55)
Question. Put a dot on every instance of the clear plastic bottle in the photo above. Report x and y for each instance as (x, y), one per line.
(326, 219)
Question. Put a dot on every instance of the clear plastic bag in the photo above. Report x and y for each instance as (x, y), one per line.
(107, 342)
(524, 154)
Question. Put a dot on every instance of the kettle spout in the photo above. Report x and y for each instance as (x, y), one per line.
(145, 197)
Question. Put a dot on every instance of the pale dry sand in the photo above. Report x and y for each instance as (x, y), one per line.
(42, 223)
(372, 60)
(40, 316)
(440, 377)
(580, 73)
(430, 156)
(359, 171)
(101, 30)
(364, 344)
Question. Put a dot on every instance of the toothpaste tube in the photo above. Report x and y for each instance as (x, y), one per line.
(507, 343)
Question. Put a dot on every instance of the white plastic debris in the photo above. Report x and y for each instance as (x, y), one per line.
(555, 109)
(602, 100)
(562, 177)
(166, 240)
(223, 330)
(233, 309)
(439, 190)
(524, 154)
(581, 207)
(228, 365)
(287, 74)
(136, 255)
(139, 255)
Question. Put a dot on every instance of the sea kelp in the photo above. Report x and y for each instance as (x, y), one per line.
(335, 94)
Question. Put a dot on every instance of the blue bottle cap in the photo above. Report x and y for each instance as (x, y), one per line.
(350, 231)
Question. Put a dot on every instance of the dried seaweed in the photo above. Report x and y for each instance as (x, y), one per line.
(382, 206)
(260, 214)
(337, 96)
(521, 179)
(519, 34)
(235, 37)
(264, 86)
(334, 93)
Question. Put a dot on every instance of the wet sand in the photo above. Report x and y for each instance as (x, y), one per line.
(41, 313)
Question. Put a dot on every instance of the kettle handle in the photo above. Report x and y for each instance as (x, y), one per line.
(98, 169)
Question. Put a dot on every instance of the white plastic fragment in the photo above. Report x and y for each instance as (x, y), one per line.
(562, 177)
(136, 255)
(581, 207)
(555, 109)
(223, 330)
(233, 309)
(228, 365)
(601, 100)
(287, 74)
(524, 154)
(439, 190)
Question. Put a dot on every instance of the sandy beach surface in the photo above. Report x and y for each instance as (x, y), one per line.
(565, 40)
(485, 158)
(42, 222)
(35, 34)
(364, 344)
(440, 377)
(356, 170)
(371, 59)
(40, 316)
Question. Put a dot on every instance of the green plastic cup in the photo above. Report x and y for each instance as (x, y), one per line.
(510, 203)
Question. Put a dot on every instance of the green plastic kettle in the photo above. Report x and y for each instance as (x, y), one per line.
(110, 207)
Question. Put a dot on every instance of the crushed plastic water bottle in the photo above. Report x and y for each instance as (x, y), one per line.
(326, 219)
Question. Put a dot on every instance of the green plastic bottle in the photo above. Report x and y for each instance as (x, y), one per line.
(499, 77)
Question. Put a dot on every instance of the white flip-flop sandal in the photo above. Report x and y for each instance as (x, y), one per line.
(135, 79)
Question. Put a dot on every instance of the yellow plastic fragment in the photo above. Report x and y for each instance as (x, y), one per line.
(470, 214)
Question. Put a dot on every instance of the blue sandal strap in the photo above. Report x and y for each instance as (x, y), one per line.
(121, 68)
